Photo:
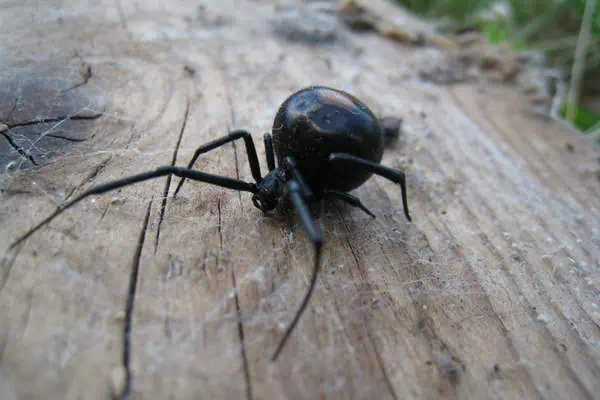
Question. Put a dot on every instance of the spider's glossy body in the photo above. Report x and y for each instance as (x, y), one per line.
(326, 143)
(318, 121)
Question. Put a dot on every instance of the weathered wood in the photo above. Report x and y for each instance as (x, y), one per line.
(492, 291)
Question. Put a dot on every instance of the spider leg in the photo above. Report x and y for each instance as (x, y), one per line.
(269, 151)
(316, 236)
(306, 192)
(388, 173)
(233, 136)
(348, 198)
(157, 173)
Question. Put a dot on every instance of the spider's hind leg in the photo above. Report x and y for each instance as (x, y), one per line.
(388, 173)
(349, 199)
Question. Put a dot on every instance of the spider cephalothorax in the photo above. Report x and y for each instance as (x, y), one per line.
(269, 190)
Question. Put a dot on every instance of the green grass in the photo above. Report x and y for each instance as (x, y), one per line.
(584, 119)
(500, 32)
(551, 26)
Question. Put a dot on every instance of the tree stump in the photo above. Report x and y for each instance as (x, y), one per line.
(491, 292)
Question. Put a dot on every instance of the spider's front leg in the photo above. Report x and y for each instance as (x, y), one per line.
(270, 153)
(233, 136)
(315, 234)
(167, 170)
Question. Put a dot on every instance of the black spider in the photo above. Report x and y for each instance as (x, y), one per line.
(327, 143)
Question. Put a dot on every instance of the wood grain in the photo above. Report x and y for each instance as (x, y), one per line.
(491, 292)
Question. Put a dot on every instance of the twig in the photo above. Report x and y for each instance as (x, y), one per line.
(580, 54)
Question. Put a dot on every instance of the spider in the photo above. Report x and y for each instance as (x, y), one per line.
(326, 143)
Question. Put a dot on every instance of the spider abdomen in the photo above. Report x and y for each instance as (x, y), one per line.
(317, 121)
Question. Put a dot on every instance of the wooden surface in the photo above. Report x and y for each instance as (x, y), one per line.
(492, 292)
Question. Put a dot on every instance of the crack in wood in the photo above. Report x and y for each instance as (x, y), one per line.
(450, 371)
(220, 222)
(24, 153)
(90, 177)
(105, 212)
(240, 325)
(237, 172)
(163, 204)
(378, 357)
(3, 344)
(8, 261)
(351, 349)
(349, 243)
(53, 119)
(86, 74)
(233, 119)
(6, 126)
(241, 336)
(129, 306)
(27, 315)
(14, 107)
(381, 365)
(68, 139)
(122, 19)
(16, 192)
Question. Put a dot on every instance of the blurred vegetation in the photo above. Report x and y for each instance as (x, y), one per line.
(550, 26)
